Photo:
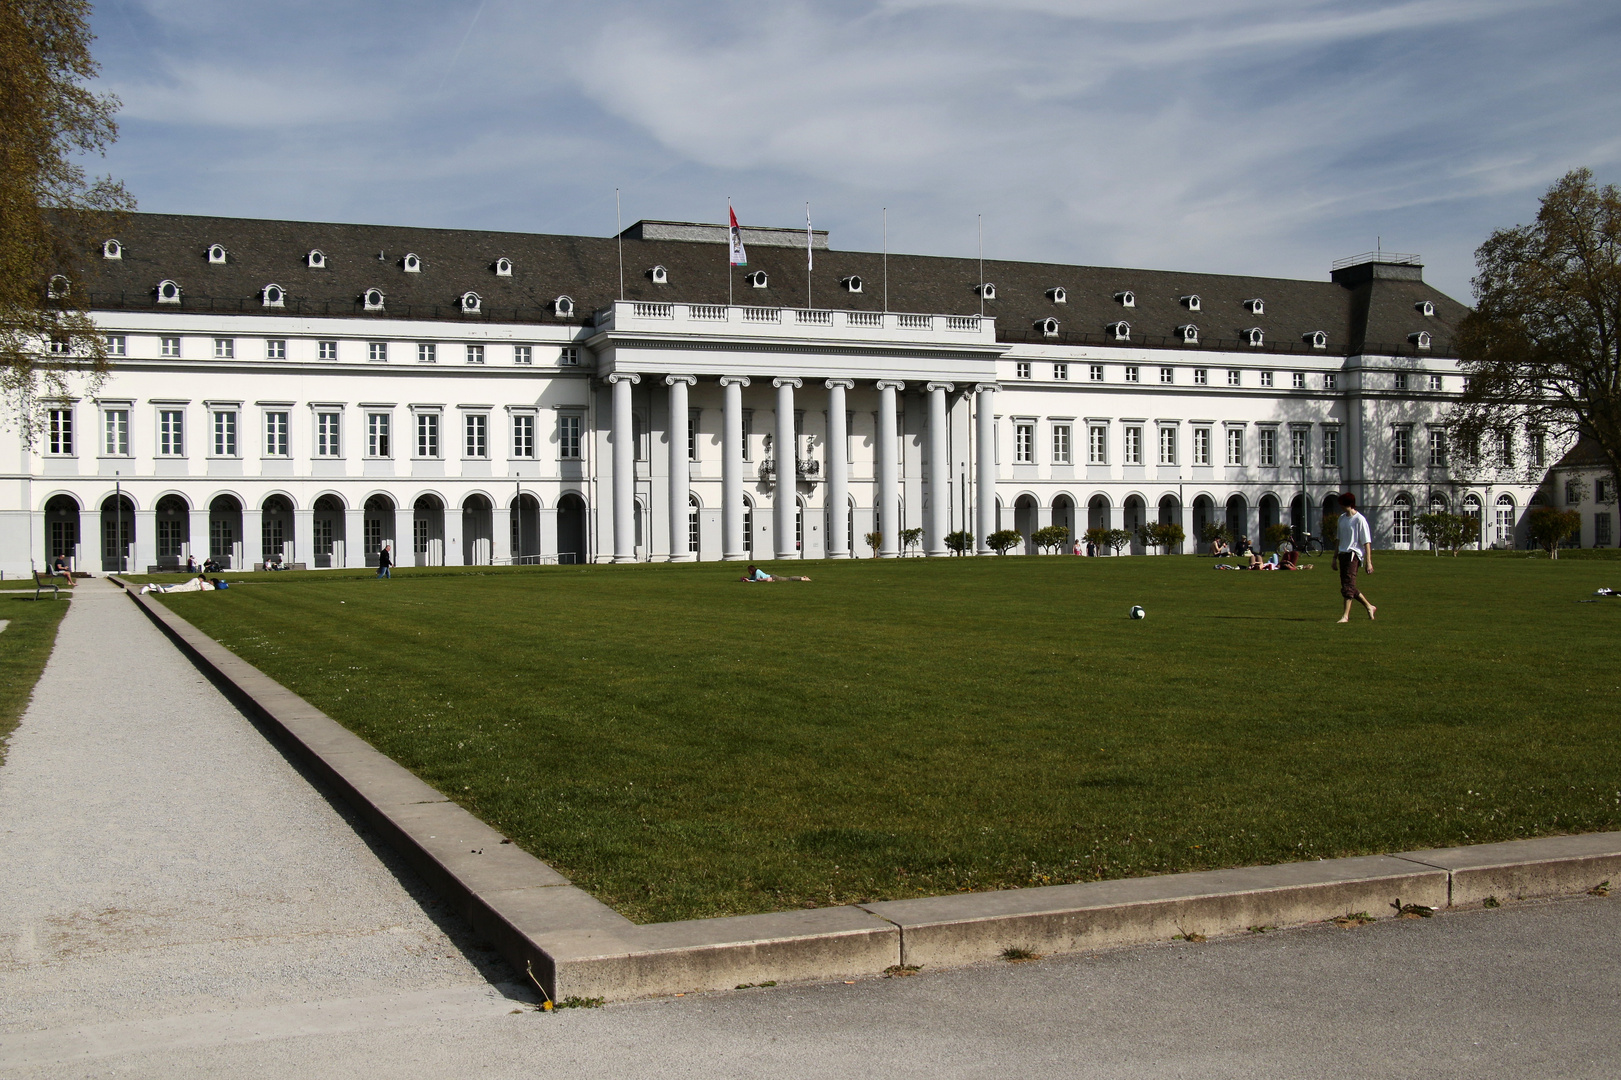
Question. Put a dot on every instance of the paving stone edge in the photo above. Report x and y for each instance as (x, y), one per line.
(576, 946)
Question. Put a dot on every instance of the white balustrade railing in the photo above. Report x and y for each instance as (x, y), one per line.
(814, 318)
(653, 311)
(707, 312)
(864, 318)
(962, 322)
(762, 314)
(915, 322)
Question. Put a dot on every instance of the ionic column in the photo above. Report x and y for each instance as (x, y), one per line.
(731, 481)
(939, 475)
(787, 455)
(624, 485)
(838, 471)
(985, 466)
(680, 467)
(889, 481)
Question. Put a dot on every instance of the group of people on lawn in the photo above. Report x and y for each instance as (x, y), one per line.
(1285, 558)
(1355, 555)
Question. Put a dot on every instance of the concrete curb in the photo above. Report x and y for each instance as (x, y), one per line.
(577, 946)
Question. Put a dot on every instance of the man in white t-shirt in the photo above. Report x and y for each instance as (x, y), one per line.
(1356, 547)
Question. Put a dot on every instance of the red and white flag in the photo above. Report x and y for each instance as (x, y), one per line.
(739, 256)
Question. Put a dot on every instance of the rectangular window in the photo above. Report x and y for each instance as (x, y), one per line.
(1601, 531)
(1134, 446)
(1235, 446)
(1095, 372)
(476, 429)
(171, 432)
(1435, 383)
(1269, 448)
(1438, 447)
(748, 432)
(378, 351)
(1298, 450)
(569, 357)
(1329, 381)
(224, 348)
(59, 432)
(115, 432)
(1021, 370)
(1097, 445)
(1331, 448)
(1505, 448)
(1133, 373)
(1539, 446)
(276, 426)
(1297, 381)
(1061, 444)
(1061, 371)
(1167, 375)
(427, 435)
(377, 435)
(225, 433)
(1024, 443)
(475, 354)
(1266, 378)
(1401, 380)
(1201, 376)
(692, 527)
(1603, 490)
(692, 435)
(117, 345)
(276, 349)
(1201, 446)
(523, 435)
(328, 350)
(1233, 377)
(1573, 492)
(326, 434)
(169, 347)
(568, 437)
(1167, 446)
(523, 354)
(60, 346)
(427, 353)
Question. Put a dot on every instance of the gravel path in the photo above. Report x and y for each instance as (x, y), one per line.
(159, 857)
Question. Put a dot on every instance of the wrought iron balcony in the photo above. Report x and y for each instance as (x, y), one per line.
(807, 468)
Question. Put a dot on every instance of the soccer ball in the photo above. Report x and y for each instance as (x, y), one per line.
(1138, 613)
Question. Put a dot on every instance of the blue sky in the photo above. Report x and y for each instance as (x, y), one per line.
(1229, 136)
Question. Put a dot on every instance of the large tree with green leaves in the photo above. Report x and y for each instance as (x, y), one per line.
(1542, 349)
(49, 118)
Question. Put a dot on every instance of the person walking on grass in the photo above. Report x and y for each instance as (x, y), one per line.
(1356, 549)
(384, 561)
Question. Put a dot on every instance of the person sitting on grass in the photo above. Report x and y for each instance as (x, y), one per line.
(756, 574)
(1219, 549)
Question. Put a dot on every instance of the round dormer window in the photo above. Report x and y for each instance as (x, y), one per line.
(852, 283)
(1254, 337)
(986, 290)
(503, 267)
(273, 296)
(316, 259)
(1318, 339)
(412, 264)
(216, 254)
(1058, 295)
(563, 307)
(168, 292)
(58, 287)
(757, 279)
(1190, 334)
(1048, 327)
(112, 249)
(1191, 302)
(470, 303)
(374, 300)
(1126, 298)
(659, 275)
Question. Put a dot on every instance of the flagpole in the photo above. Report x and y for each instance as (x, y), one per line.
(619, 225)
(810, 259)
(728, 251)
(981, 220)
(886, 260)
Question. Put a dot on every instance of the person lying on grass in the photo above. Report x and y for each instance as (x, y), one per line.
(199, 583)
(756, 574)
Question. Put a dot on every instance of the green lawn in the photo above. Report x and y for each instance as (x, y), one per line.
(683, 745)
(25, 644)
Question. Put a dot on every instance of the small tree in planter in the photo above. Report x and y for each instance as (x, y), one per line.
(910, 538)
(1277, 534)
(875, 540)
(1550, 528)
(1117, 539)
(1163, 537)
(960, 542)
(1051, 539)
(1003, 540)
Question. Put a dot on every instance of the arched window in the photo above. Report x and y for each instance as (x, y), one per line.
(692, 523)
(799, 526)
(1401, 520)
(1438, 503)
(1505, 520)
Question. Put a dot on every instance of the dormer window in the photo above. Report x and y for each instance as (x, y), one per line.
(1058, 294)
(659, 276)
(1188, 332)
(272, 296)
(852, 283)
(503, 267)
(1190, 301)
(168, 292)
(1426, 308)
(112, 249)
(57, 288)
(1317, 339)
(1120, 331)
(1256, 306)
(316, 259)
(1048, 327)
(757, 279)
(563, 307)
(412, 264)
(986, 290)
(216, 255)
(1421, 339)
(1126, 298)
(1254, 338)
(373, 300)
(470, 303)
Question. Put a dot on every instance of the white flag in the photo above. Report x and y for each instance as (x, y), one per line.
(810, 242)
(739, 256)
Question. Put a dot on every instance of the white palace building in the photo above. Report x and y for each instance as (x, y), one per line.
(320, 390)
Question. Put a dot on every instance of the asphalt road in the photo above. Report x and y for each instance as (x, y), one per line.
(177, 901)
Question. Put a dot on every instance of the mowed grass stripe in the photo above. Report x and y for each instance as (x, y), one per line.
(687, 746)
(25, 645)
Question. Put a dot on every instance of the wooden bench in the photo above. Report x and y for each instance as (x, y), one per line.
(44, 579)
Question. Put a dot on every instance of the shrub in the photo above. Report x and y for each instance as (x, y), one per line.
(960, 542)
(1447, 531)
(1117, 539)
(1002, 540)
(910, 538)
(1165, 537)
(1277, 534)
(1098, 538)
(1549, 527)
(875, 540)
(1051, 539)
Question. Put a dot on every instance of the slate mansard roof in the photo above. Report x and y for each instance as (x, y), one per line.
(1372, 307)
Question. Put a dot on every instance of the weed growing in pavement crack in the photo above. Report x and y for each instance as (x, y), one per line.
(1015, 955)
(1490, 902)
(1412, 911)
